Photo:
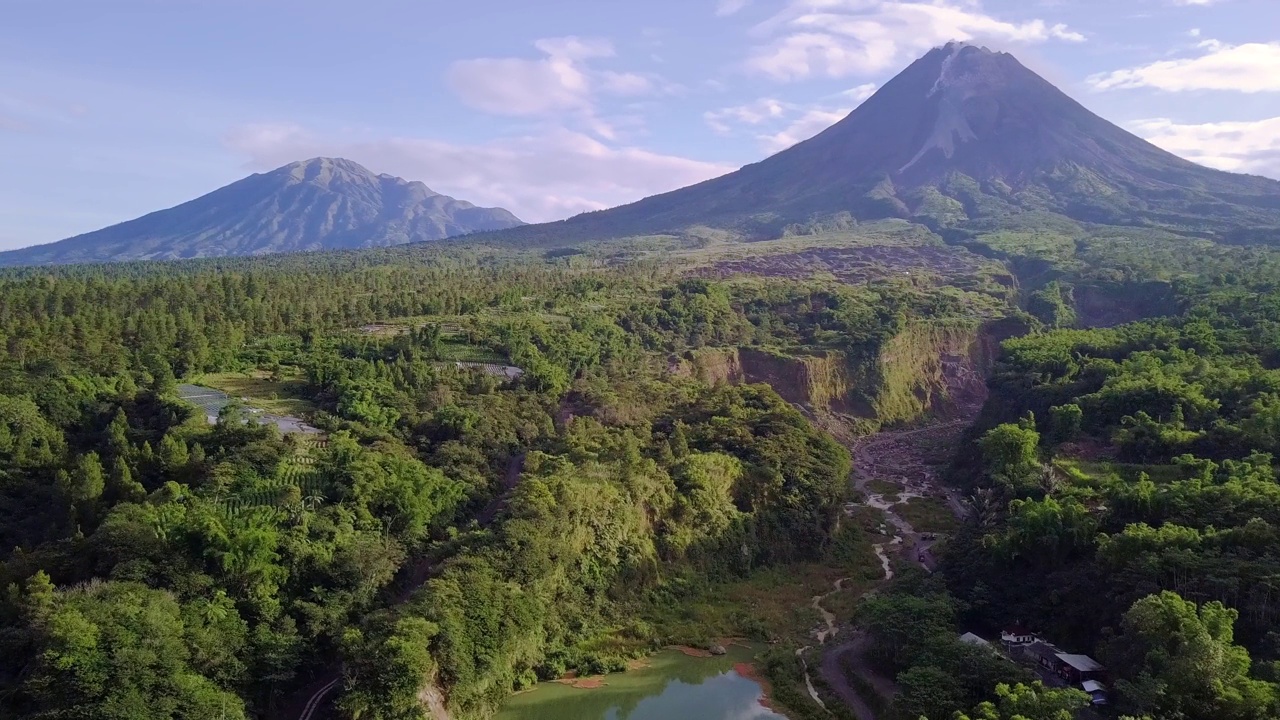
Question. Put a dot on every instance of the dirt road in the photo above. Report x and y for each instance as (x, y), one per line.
(851, 657)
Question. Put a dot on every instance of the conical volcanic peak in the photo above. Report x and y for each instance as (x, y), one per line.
(962, 134)
(317, 204)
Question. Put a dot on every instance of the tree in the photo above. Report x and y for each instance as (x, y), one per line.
(1067, 422)
(86, 481)
(389, 669)
(432, 340)
(163, 381)
(902, 626)
(117, 651)
(927, 691)
(1178, 661)
(123, 487)
(173, 454)
(1030, 702)
(679, 440)
(40, 599)
(1048, 531)
(118, 434)
(1011, 456)
(27, 439)
(704, 501)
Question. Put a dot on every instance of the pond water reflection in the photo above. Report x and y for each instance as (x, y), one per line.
(673, 687)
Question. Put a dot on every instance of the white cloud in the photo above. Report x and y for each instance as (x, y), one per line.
(839, 38)
(808, 124)
(562, 83)
(1200, 3)
(815, 119)
(725, 8)
(1248, 146)
(617, 83)
(515, 86)
(1251, 68)
(778, 125)
(573, 47)
(859, 93)
(541, 177)
(752, 113)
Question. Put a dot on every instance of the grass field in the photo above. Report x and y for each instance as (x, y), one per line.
(278, 398)
(883, 487)
(458, 350)
(773, 604)
(776, 604)
(1095, 473)
(928, 514)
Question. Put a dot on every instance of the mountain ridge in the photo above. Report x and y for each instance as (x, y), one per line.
(316, 204)
(963, 140)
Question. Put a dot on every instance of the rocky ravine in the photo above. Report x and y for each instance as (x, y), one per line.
(912, 460)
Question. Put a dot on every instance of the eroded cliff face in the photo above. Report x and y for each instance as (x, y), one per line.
(711, 366)
(805, 380)
(926, 369)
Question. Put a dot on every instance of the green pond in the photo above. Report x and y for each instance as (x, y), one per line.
(673, 687)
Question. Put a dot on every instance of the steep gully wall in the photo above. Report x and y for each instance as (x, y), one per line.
(926, 369)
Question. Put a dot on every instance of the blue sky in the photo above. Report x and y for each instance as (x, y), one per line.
(113, 108)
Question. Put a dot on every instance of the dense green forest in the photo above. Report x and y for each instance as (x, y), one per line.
(164, 567)
(466, 533)
(1123, 491)
(1139, 483)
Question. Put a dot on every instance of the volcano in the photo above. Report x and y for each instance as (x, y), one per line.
(317, 204)
(962, 136)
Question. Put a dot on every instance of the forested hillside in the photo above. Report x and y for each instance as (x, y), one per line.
(1143, 466)
(534, 464)
(1122, 483)
(449, 527)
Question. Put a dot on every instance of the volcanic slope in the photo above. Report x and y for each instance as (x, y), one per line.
(963, 138)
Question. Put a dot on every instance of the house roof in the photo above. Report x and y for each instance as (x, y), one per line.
(1040, 647)
(1093, 686)
(1083, 663)
(1015, 630)
(972, 639)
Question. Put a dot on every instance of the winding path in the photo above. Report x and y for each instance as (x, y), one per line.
(313, 703)
(903, 459)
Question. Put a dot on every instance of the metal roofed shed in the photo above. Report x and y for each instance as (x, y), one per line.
(508, 372)
(1081, 663)
(1097, 691)
(212, 401)
(209, 400)
(971, 639)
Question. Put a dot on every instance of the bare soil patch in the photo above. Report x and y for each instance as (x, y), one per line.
(854, 265)
(572, 679)
(750, 672)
